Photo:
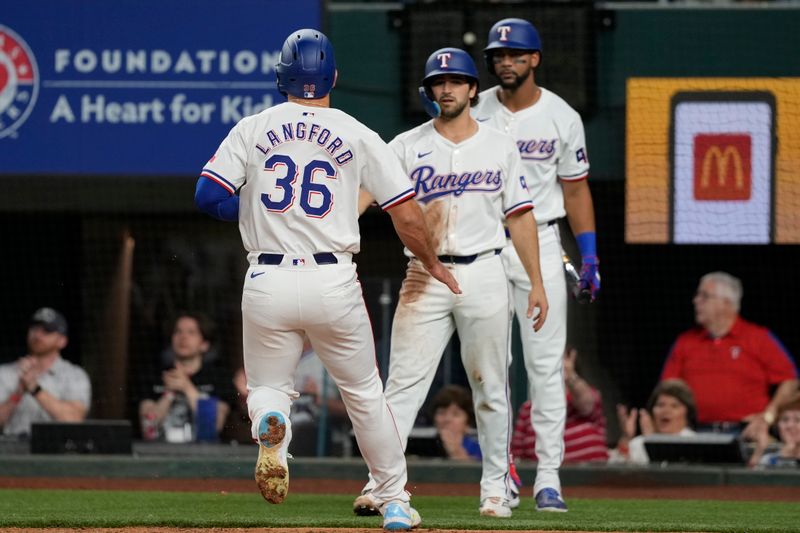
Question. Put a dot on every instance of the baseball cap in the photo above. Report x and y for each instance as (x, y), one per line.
(50, 319)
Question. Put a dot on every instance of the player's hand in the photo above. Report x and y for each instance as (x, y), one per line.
(440, 272)
(537, 298)
(589, 284)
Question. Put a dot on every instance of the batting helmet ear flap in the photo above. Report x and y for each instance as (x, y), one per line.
(431, 108)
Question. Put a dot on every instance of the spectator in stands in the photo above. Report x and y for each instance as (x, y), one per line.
(454, 419)
(170, 400)
(318, 406)
(670, 410)
(731, 364)
(42, 386)
(585, 428)
(789, 432)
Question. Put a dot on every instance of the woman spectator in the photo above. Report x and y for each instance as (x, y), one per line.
(671, 410)
(789, 432)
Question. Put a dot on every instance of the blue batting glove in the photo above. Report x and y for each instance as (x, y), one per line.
(589, 284)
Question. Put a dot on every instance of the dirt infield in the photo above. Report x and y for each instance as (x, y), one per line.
(331, 486)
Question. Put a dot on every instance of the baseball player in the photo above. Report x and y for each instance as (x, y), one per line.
(468, 177)
(291, 175)
(550, 139)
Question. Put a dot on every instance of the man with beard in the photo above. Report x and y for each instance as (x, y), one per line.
(550, 139)
(468, 180)
(41, 386)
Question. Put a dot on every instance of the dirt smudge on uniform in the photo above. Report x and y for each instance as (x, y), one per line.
(417, 278)
(434, 213)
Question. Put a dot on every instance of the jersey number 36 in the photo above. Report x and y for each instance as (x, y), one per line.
(315, 198)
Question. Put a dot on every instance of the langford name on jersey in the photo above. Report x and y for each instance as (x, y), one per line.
(300, 131)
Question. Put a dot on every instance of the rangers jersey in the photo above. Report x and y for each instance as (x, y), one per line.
(551, 143)
(465, 189)
(298, 170)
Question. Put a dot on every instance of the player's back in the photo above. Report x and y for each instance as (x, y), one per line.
(302, 180)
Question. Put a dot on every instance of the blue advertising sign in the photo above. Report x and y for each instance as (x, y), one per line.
(134, 87)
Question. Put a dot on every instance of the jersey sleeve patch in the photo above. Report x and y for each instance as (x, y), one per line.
(399, 199)
(213, 176)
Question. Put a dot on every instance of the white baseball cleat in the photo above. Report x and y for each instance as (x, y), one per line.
(496, 506)
(272, 472)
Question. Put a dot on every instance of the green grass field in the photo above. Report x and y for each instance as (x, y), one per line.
(86, 508)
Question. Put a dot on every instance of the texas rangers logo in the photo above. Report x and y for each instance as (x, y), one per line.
(537, 149)
(504, 31)
(429, 185)
(19, 82)
(443, 59)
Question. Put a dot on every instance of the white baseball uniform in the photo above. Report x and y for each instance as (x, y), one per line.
(551, 143)
(465, 190)
(298, 170)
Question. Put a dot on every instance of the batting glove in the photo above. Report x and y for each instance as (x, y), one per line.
(589, 284)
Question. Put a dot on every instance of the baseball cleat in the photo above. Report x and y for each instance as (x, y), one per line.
(272, 472)
(365, 505)
(495, 506)
(550, 500)
(400, 516)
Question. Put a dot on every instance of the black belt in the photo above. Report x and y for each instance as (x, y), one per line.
(463, 259)
(551, 223)
(322, 258)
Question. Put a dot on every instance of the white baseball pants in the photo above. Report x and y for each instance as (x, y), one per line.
(543, 352)
(427, 315)
(324, 302)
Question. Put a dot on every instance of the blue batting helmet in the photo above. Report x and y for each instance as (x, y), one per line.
(517, 34)
(307, 67)
(450, 61)
(445, 61)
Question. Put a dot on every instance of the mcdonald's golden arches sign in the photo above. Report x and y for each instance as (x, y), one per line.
(713, 160)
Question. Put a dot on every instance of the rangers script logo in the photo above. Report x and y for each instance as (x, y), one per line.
(19, 81)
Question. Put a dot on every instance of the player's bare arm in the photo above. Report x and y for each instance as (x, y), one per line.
(412, 230)
(524, 235)
(580, 213)
(579, 206)
(365, 200)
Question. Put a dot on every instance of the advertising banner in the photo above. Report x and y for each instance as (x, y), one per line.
(712, 161)
(135, 88)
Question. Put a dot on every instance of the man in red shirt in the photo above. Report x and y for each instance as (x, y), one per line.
(731, 364)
